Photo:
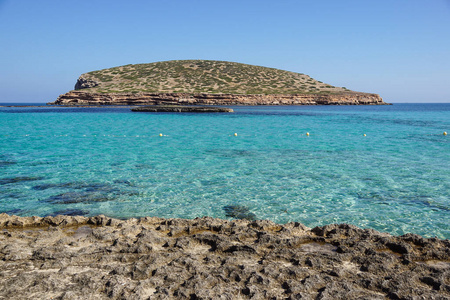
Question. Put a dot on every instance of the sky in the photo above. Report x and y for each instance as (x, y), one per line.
(399, 49)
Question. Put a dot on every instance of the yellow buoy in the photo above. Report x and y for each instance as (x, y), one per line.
(160, 134)
(364, 134)
(307, 134)
(445, 132)
(235, 134)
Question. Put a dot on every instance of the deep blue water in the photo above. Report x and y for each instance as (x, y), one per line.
(111, 161)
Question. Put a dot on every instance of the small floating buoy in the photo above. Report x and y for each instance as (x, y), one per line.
(364, 134)
(235, 134)
(160, 134)
(307, 134)
(445, 132)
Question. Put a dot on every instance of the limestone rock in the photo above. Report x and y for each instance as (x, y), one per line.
(71, 257)
(75, 98)
(85, 83)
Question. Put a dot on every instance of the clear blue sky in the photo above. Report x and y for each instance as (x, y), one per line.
(399, 49)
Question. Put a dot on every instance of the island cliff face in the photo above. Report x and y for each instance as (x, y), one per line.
(75, 98)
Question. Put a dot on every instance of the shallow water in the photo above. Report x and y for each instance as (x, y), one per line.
(112, 161)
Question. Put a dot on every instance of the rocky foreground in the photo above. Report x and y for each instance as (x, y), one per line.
(67, 257)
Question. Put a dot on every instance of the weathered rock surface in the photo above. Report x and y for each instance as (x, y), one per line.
(182, 108)
(75, 257)
(85, 98)
(85, 83)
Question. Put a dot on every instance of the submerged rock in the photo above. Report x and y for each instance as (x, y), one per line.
(124, 182)
(45, 186)
(89, 186)
(4, 163)
(19, 179)
(239, 212)
(83, 192)
(181, 108)
(79, 197)
(435, 205)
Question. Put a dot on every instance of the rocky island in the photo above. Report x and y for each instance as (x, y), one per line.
(205, 82)
(75, 257)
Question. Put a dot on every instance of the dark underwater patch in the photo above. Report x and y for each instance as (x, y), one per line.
(435, 205)
(70, 212)
(85, 192)
(239, 212)
(9, 193)
(78, 197)
(124, 182)
(89, 187)
(6, 160)
(44, 186)
(5, 163)
(101, 187)
(231, 153)
(390, 200)
(213, 181)
(144, 166)
(19, 179)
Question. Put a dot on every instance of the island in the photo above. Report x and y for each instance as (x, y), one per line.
(206, 82)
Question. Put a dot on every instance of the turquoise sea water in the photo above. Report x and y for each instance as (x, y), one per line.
(111, 161)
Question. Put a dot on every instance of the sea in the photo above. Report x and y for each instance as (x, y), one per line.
(380, 167)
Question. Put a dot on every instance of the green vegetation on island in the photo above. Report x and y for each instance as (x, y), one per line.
(201, 76)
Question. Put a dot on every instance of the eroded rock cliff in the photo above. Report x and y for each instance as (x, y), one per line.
(84, 98)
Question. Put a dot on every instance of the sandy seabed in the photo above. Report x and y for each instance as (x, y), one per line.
(66, 257)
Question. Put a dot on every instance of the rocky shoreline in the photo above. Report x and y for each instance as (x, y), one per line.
(75, 98)
(74, 257)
